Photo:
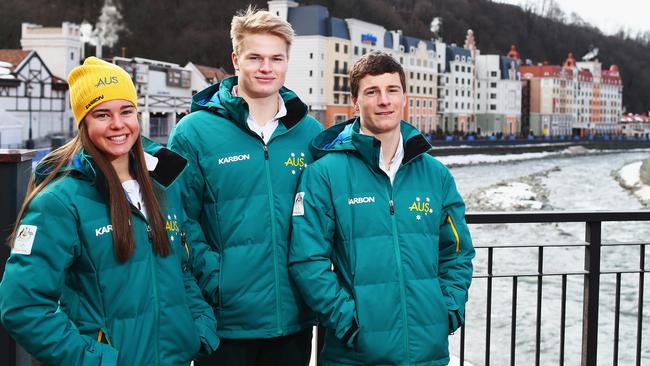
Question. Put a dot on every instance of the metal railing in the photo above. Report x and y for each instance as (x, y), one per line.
(591, 273)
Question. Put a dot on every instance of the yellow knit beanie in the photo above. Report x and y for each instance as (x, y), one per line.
(96, 82)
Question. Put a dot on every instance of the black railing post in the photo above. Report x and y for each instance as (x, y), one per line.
(591, 298)
(15, 170)
(639, 316)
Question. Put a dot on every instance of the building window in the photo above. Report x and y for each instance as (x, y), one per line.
(456, 68)
(417, 103)
(418, 74)
(345, 49)
(456, 92)
(418, 90)
(310, 90)
(493, 95)
(411, 75)
(493, 85)
(356, 50)
(410, 88)
(363, 51)
(311, 73)
(430, 90)
(336, 47)
(493, 107)
(493, 74)
(410, 102)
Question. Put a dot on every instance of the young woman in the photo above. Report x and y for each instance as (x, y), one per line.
(98, 272)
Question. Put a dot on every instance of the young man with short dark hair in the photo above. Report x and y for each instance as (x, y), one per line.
(387, 217)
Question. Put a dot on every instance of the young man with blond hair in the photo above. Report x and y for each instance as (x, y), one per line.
(386, 216)
(246, 140)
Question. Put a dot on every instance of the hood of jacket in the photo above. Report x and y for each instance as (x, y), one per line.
(163, 164)
(218, 99)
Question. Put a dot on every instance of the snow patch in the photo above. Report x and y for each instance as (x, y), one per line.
(629, 177)
(508, 196)
(475, 159)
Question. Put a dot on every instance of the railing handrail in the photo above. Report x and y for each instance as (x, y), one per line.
(531, 217)
(592, 271)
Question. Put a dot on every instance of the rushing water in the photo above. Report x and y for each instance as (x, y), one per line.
(579, 183)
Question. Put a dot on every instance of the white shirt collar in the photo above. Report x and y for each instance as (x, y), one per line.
(150, 161)
(267, 130)
(391, 168)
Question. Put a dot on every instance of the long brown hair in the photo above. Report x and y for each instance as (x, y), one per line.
(120, 209)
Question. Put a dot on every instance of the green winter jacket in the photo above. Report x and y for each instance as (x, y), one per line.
(401, 253)
(239, 193)
(67, 300)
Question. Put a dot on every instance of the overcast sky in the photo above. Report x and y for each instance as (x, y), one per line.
(607, 15)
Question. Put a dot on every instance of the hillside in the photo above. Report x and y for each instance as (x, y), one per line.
(197, 30)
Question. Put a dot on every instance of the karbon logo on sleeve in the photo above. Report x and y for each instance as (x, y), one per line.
(103, 230)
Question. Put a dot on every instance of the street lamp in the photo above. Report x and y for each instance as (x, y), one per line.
(30, 141)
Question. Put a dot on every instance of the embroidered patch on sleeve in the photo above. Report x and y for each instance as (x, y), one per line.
(24, 240)
(298, 205)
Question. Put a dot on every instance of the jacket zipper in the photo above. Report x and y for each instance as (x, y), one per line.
(273, 240)
(398, 260)
(154, 279)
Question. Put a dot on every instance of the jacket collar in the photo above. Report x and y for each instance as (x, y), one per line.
(346, 136)
(220, 100)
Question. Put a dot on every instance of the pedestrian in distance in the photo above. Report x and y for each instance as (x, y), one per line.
(99, 266)
(380, 248)
(247, 142)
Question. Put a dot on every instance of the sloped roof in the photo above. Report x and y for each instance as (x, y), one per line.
(14, 57)
(212, 73)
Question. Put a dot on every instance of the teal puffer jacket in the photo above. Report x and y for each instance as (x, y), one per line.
(239, 195)
(68, 301)
(401, 253)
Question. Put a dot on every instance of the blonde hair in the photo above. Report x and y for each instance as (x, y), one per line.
(253, 21)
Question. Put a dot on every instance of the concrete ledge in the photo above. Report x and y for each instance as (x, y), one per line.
(16, 155)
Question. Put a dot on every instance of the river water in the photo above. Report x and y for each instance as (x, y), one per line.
(571, 183)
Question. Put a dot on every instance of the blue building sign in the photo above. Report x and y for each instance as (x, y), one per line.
(368, 39)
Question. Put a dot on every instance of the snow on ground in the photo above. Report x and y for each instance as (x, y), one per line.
(507, 196)
(629, 176)
(473, 159)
